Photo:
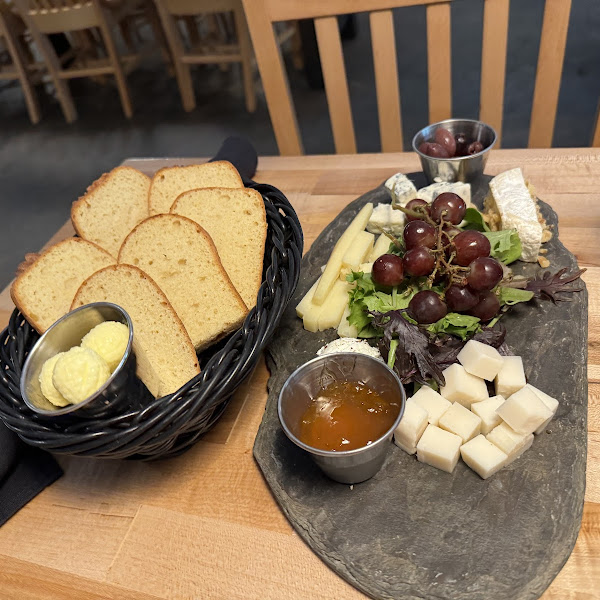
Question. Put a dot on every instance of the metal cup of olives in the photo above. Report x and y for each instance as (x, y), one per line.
(454, 150)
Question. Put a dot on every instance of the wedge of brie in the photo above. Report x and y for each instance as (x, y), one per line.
(431, 192)
(510, 198)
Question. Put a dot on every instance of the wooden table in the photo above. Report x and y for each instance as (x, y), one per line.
(204, 525)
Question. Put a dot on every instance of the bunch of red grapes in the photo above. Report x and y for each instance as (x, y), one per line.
(446, 145)
(457, 261)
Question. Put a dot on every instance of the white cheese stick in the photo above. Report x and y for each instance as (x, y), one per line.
(382, 245)
(359, 250)
(306, 303)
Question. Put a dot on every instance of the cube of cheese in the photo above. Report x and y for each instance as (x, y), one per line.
(486, 411)
(344, 328)
(359, 250)
(462, 386)
(483, 457)
(385, 218)
(439, 448)
(549, 401)
(511, 376)
(461, 421)
(411, 427)
(382, 246)
(509, 441)
(401, 189)
(432, 402)
(431, 192)
(524, 411)
(480, 360)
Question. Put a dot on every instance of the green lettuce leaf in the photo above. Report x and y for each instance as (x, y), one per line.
(462, 326)
(509, 296)
(506, 245)
(474, 220)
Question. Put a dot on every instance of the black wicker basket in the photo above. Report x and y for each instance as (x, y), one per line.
(163, 427)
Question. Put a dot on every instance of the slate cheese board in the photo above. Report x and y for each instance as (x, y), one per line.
(413, 531)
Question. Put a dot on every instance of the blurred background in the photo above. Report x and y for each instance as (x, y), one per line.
(46, 166)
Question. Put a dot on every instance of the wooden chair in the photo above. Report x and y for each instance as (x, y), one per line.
(261, 14)
(84, 20)
(171, 11)
(11, 30)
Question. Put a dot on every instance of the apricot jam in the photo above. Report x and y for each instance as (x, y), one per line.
(346, 415)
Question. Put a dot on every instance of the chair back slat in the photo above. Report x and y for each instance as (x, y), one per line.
(549, 72)
(493, 64)
(58, 16)
(386, 80)
(182, 8)
(439, 70)
(336, 84)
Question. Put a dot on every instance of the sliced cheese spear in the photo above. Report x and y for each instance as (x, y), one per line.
(334, 264)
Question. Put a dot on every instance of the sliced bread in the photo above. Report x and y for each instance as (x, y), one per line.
(169, 182)
(236, 221)
(181, 257)
(112, 206)
(164, 353)
(44, 290)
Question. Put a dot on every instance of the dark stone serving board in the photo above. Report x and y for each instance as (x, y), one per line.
(413, 531)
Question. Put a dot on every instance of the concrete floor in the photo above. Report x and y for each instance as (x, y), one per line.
(44, 168)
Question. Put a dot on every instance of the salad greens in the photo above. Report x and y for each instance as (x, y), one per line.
(506, 245)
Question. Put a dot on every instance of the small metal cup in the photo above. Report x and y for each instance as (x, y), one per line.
(62, 336)
(462, 168)
(303, 385)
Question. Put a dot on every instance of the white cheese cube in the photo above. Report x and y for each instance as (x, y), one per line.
(461, 421)
(483, 457)
(359, 250)
(401, 189)
(345, 330)
(509, 441)
(480, 360)
(511, 376)
(411, 427)
(432, 402)
(385, 218)
(439, 448)
(486, 411)
(549, 401)
(462, 386)
(382, 245)
(524, 411)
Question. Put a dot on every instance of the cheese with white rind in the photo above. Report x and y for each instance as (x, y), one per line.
(509, 441)
(462, 386)
(460, 421)
(385, 218)
(524, 411)
(306, 301)
(480, 360)
(401, 189)
(483, 457)
(432, 402)
(510, 197)
(549, 401)
(334, 305)
(345, 330)
(411, 427)
(439, 448)
(334, 264)
(431, 192)
(359, 251)
(382, 246)
(511, 376)
(486, 411)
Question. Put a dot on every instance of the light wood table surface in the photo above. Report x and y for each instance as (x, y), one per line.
(204, 525)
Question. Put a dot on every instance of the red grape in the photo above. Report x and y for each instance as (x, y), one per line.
(418, 262)
(451, 207)
(388, 270)
(474, 148)
(470, 245)
(485, 274)
(460, 298)
(419, 233)
(427, 307)
(487, 307)
(413, 204)
(461, 144)
(445, 139)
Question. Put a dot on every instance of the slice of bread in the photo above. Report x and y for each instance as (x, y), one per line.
(44, 290)
(181, 257)
(112, 206)
(163, 350)
(237, 223)
(169, 182)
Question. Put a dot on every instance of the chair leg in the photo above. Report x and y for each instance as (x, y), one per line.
(246, 52)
